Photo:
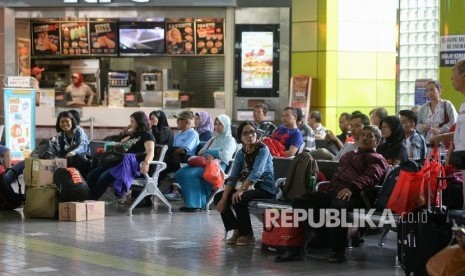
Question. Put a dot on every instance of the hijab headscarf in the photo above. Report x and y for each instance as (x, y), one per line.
(205, 122)
(224, 142)
(162, 121)
(397, 131)
(393, 148)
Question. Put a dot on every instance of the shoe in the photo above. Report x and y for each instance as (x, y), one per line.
(288, 256)
(246, 240)
(337, 257)
(173, 196)
(189, 210)
(234, 237)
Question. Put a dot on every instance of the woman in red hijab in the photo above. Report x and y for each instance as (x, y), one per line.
(79, 91)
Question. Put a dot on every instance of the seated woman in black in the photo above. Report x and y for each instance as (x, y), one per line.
(160, 128)
(393, 148)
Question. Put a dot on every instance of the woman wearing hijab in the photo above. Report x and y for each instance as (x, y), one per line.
(79, 91)
(222, 146)
(393, 148)
(203, 126)
(160, 128)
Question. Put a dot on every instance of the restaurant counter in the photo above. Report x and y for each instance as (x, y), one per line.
(105, 117)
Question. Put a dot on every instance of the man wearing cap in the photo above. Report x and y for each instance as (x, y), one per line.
(36, 73)
(413, 141)
(79, 91)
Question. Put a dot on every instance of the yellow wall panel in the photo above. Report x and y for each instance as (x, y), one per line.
(304, 36)
(386, 66)
(304, 63)
(356, 93)
(304, 10)
(386, 93)
(357, 65)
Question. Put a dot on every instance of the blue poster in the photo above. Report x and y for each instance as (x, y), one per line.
(20, 110)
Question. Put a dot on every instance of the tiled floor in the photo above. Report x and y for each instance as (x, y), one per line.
(153, 242)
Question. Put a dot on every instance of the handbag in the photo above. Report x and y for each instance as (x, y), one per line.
(41, 202)
(411, 189)
(446, 116)
(111, 157)
(197, 161)
(276, 148)
(277, 237)
(213, 174)
(457, 159)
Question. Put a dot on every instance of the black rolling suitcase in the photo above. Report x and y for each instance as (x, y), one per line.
(421, 234)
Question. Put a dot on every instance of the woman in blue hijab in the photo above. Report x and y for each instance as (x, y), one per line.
(195, 190)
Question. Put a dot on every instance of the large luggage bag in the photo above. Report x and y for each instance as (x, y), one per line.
(279, 237)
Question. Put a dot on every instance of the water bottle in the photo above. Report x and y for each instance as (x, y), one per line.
(312, 183)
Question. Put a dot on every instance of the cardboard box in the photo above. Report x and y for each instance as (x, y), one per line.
(39, 172)
(80, 211)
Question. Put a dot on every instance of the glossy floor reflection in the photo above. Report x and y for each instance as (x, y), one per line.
(153, 242)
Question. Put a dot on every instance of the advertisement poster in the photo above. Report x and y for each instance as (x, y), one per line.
(74, 38)
(257, 60)
(19, 121)
(451, 50)
(420, 93)
(23, 56)
(45, 38)
(180, 38)
(103, 38)
(209, 38)
(300, 92)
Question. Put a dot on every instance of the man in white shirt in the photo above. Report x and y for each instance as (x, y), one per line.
(314, 121)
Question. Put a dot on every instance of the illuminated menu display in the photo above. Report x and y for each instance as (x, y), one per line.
(257, 60)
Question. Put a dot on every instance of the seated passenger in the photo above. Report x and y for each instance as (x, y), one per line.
(203, 125)
(413, 141)
(288, 134)
(140, 141)
(307, 132)
(393, 148)
(251, 178)
(264, 127)
(314, 121)
(160, 128)
(357, 122)
(5, 158)
(357, 170)
(335, 143)
(377, 115)
(195, 190)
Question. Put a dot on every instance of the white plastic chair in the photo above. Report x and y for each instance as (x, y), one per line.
(150, 183)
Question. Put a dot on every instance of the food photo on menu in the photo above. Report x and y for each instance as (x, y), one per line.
(74, 38)
(45, 38)
(257, 60)
(103, 37)
(209, 38)
(180, 38)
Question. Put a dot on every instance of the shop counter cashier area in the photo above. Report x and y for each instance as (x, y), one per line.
(112, 117)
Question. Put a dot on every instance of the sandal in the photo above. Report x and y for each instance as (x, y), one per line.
(234, 237)
(245, 240)
(338, 257)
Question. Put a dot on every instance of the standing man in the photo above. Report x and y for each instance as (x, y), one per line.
(36, 73)
(264, 128)
(413, 141)
(458, 81)
(288, 134)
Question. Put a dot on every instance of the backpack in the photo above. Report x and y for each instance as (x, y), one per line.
(391, 180)
(71, 185)
(302, 171)
(9, 199)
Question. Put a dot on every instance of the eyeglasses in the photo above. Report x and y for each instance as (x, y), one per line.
(247, 133)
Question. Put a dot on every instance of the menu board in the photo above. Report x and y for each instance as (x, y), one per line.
(74, 38)
(45, 38)
(180, 38)
(19, 122)
(257, 60)
(209, 38)
(103, 38)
